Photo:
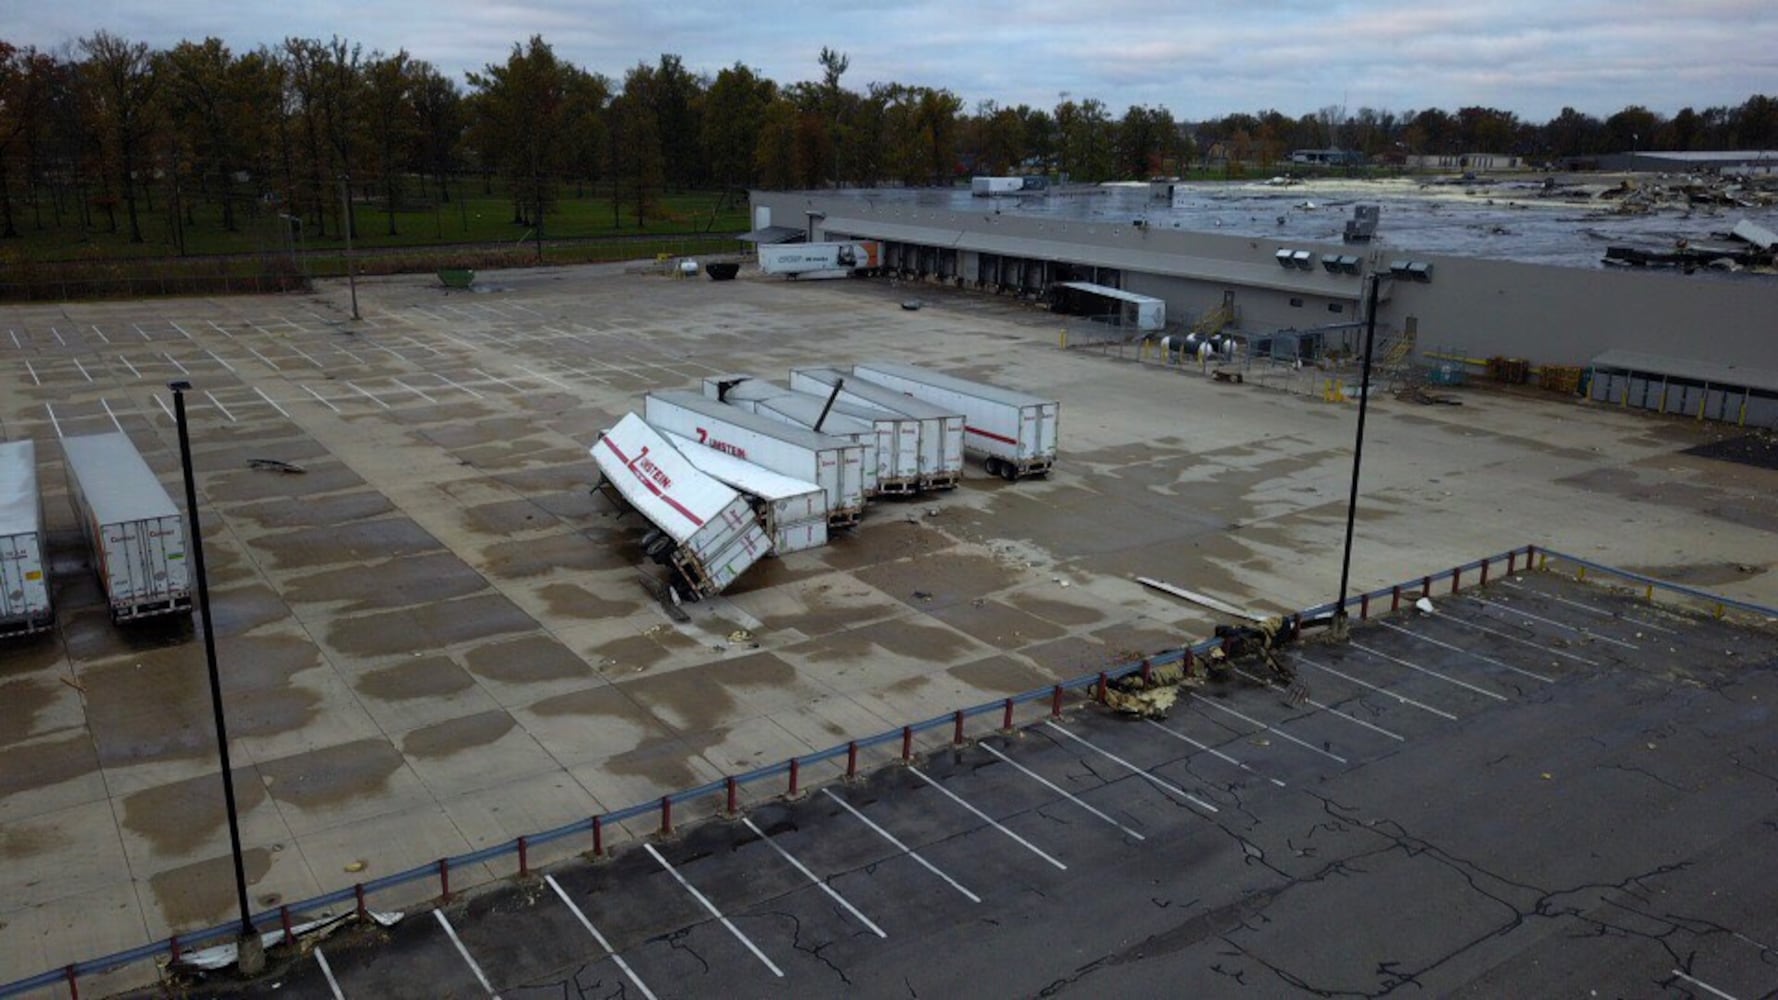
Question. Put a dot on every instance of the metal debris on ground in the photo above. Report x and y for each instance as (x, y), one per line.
(1415, 394)
(740, 636)
(275, 465)
(1130, 695)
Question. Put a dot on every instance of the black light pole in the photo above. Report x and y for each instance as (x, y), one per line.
(228, 785)
(346, 222)
(1364, 398)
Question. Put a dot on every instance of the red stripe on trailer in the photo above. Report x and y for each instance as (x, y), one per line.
(656, 490)
(1003, 439)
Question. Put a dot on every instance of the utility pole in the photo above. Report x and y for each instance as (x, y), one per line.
(346, 222)
(1364, 399)
(251, 949)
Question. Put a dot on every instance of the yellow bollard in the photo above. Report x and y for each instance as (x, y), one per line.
(1580, 574)
(1720, 611)
(1063, 340)
(1543, 562)
(1649, 594)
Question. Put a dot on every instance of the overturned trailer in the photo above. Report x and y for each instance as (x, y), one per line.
(704, 531)
(793, 512)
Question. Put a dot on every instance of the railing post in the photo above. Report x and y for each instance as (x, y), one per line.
(1364, 607)
(358, 896)
(598, 837)
(907, 744)
(289, 931)
(524, 859)
(957, 728)
(795, 776)
(73, 983)
(851, 760)
(1484, 572)
(733, 794)
(666, 815)
(1426, 586)
(1104, 685)
(1456, 576)
(172, 946)
(444, 879)
(1147, 673)
(1395, 598)
(1512, 563)
(1006, 717)
(1056, 702)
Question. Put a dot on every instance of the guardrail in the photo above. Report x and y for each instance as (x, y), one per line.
(1052, 698)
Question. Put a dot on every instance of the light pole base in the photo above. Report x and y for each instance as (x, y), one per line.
(1342, 627)
(250, 954)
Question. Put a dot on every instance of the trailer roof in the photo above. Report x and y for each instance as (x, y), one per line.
(751, 421)
(740, 473)
(116, 481)
(954, 383)
(18, 488)
(1109, 292)
(801, 406)
(880, 395)
(657, 479)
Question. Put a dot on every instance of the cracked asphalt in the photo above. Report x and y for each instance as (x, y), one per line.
(1545, 788)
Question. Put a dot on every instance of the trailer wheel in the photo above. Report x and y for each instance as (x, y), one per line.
(1009, 471)
(991, 464)
(658, 547)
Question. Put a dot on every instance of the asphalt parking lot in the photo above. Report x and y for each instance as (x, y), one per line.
(433, 639)
(1544, 788)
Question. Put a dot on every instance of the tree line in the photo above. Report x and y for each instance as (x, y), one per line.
(106, 129)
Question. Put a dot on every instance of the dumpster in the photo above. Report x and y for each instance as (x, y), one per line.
(456, 277)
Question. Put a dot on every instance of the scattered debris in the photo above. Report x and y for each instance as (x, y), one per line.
(912, 305)
(740, 636)
(1416, 394)
(73, 683)
(275, 465)
(922, 595)
(1424, 605)
(355, 867)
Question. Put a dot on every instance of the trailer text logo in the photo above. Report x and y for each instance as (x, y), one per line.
(736, 450)
(647, 470)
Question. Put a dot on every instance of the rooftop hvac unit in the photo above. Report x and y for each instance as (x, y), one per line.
(1344, 263)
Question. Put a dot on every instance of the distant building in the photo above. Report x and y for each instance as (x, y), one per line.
(1328, 157)
(1472, 162)
(1743, 161)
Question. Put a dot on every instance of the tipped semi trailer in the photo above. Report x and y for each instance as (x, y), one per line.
(793, 512)
(135, 534)
(1014, 432)
(706, 532)
(940, 459)
(24, 574)
(834, 464)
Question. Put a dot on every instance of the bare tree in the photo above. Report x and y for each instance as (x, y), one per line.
(122, 87)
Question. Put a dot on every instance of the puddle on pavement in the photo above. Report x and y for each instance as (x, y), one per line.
(20, 702)
(599, 700)
(250, 485)
(884, 541)
(28, 655)
(996, 624)
(315, 511)
(690, 700)
(428, 626)
(927, 643)
(359, 542)
(1001, 673)
(523, 558)
(177, 817)
(531, 660)
(242, 609)
(18, 841)
(508, 517)
(30, 766)
(454, 736)
(943, 581)
(422, 677)
(632, 654)
(332, 775)
(666, 760)
(1703, 574)
(1049, 609)
(200, 894)
(578, 477)
(397, 583)
(568, 600)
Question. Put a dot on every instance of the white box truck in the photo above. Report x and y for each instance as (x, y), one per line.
(834, 464)
(135, 534)
(940, 429)
(24, 573)
(988, 187)
(820, 260)
(793, 512)
(1014, 432)
(706, 532)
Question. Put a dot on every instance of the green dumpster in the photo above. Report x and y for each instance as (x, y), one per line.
(457, 277)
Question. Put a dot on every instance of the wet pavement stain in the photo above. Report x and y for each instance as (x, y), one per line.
(91, 635)
(936, 583)
(875, 543)
(1060, 612)
(455, 736)
(29, 655)
(576, 477)
(422, 677)
(568, 600)
(464, 434)
(600, 700)
(1001, 673)
(315, 511)
(200, 894)
(177, 817)
(358, 542)
(510, 517)
(18, 841)
(902, 637)
(30, 766)
(397, 583)
(242, 609)
(666, 760)
(630, 654)
(248, 485)
(332, 775)
(517, 454)
(20, 702)
(996, 624)
(520, 559)
(533, 659)
(691, 700)
(428, 626)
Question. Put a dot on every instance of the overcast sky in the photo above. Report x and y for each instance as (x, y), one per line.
(1199, 58)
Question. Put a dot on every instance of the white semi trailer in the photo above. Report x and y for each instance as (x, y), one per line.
(891, 444)
(704, 530)
(24, 573)
(834, 464)
(940, 429)
(1014, 432)
(135, 534)
(821, 260)
(793, 512)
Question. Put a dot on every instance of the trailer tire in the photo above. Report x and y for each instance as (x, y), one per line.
(658, 547)
(1009, 471)
(991, 464)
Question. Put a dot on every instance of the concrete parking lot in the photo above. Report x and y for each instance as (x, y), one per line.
(434, 640)
(1542, 789)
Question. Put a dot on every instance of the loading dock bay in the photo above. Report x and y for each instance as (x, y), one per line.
(1541, 789)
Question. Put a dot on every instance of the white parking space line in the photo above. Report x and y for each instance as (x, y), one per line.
(1279, 732)
(812, 877)
(306, 356)
(110, 414)
(1212, 751)
(182, 331)
(355, 387)
(1176, 792)
(1551, 621)
(53, 422)
(32, 369)
(1564, 654)
(546, 378)
(58, 335)
(14, 334)
(163, 405)
(214, 326)
(140, 332)
(327, 972)
(1059, 790)
(594, 931)
(219, 360)
(453, 384)
(495, 378)
(452, 931)
(1706, 987)
(1589, 609)
(273, 402)
(175, 363)
(1428, 671)
(323, 400)
(903, 848)
(726, 922)
(86, 374)
(101, 333)
(268, 362)
(218, 404)
(411, 389)
(1467, 652)
(1329, 709)
(133, 369)
(991, 821)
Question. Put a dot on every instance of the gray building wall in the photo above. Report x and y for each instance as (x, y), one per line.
(1479, 307)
